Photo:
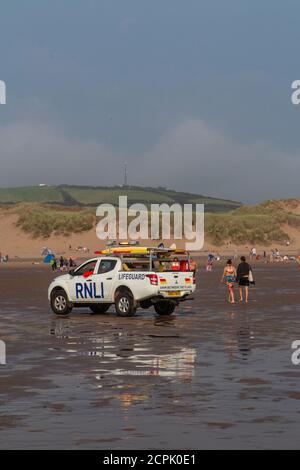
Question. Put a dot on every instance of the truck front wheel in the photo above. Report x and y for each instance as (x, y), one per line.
(125, 305)
(60, 303)
(164, 308)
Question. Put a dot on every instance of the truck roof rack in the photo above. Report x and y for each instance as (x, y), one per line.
(140, 251)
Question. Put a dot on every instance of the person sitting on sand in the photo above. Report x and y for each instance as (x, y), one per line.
(243, 272)
(229, 277)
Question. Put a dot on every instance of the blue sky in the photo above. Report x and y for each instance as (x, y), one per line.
(194, 94)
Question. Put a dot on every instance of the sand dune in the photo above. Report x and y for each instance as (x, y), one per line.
(16, 243)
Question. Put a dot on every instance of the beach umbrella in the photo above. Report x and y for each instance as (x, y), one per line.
(48, 258)
(46, 251)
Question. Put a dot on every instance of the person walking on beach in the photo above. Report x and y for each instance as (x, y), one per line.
(210, 262)
(229, 277)
(243, 273)
(253, 253)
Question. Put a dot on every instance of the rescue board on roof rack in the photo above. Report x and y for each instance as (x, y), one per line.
(138, 250)
(123, 249)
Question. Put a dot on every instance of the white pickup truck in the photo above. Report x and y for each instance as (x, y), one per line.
(111, 280)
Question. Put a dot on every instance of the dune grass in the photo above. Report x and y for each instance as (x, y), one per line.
(42, 221)
(262, 224)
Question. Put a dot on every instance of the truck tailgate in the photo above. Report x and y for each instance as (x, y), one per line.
(175, 281)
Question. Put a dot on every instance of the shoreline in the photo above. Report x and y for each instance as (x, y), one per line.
(199, 258)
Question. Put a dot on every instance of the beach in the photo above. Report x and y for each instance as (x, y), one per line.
(213, 375)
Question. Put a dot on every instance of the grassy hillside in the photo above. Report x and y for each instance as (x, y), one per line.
(93, 196)
(30, 194)
(96, 196)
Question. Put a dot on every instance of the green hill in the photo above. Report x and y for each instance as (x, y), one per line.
(45, 194)
(89, 196)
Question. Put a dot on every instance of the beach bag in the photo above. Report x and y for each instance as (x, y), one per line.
(251, 278)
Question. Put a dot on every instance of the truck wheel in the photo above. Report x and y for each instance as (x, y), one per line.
(99, 308)
(164, 308)
(125, 306)
(60, 303)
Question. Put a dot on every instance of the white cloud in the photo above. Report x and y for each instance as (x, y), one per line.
(199, 158)
(192, 157)
(32, 152)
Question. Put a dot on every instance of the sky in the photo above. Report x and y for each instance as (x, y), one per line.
(195, 95)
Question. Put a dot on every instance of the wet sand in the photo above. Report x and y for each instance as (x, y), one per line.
(211, 376)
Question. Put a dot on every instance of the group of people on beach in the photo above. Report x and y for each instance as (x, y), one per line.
(243, 275)
(62, 264)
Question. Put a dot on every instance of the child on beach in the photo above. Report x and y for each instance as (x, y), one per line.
(229, 277)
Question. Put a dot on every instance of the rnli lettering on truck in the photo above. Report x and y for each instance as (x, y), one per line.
(89, 291)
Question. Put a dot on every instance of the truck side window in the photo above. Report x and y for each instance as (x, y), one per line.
(106, 266)
(86, 269)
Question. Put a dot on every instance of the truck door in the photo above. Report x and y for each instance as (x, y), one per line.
(105, 277)
(93, 281)
(79, 284)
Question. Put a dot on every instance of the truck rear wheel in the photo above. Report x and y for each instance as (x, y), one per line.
(125, 305)
(99, 308)
(164, 308)
(60, 303)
